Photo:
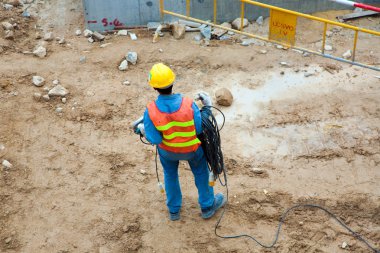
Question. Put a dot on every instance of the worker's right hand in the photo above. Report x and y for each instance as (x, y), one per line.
(141, 129)
(205, 98)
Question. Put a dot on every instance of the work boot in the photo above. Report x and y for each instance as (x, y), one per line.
(174, 216)
(219, 201)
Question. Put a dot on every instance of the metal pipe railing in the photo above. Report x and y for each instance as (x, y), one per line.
(274, 8)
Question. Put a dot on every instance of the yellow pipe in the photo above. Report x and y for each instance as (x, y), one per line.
(324, 38)
(242, 16)
(188, 8)
(355, 44)
(265, 39)
(312, 17)
(215, 10)
(162, 10)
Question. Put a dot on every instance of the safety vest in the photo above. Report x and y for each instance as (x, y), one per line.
(177, 128)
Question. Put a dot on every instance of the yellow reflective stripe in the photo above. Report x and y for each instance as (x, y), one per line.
(183, 144)
(179, 134)
(175, 123)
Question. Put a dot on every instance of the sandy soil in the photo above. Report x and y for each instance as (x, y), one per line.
(77, 186)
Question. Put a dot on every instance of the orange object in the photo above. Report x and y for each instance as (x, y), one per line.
(178, 128)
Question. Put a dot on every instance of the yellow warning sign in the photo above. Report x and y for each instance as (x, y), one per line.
(282, 27)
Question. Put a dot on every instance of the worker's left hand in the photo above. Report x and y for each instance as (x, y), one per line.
(141, 129)
(205, 98)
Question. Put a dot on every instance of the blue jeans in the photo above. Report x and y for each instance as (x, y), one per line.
(199, 167)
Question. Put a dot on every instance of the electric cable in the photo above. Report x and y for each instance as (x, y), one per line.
(212, 148)
(211, 145)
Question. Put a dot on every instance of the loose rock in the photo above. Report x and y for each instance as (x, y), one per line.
(56, 82)
(48, 36)
(126, 83)
(46, 97)
(38, 81)
(143, 172)
(7, 165)
(218, 32)
(178, 31)
(98, 37)
(7, 25)
(59, 91)
(257, 171)
(8, 240)
(91, 40)
(59, 110)
(9, 35)
(132, 57)
(224, 97)
(8, 6)
(87, 33)
(82, 59)
(62, 41)
(123, 65)
(263, 51)
(78, 32)
(344, 245)
(37, 96)
(328, 48)
(206, 32)
(64, 100)
(260, 20)
(133, 36)
(237, 23)
(122, 33)
(40, 51)
(347, 54)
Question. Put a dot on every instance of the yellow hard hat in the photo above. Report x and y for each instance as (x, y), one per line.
(161, 76)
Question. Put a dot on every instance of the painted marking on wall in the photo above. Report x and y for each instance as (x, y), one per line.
(282, 27)
(115, 22)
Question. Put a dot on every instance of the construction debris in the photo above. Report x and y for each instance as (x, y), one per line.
(178, 31)
(236, 24)
(7, 26)
(218, 32)
(87, 33)
(132, 57)
(122, 33)
(48, 36)
(98, 37)
(7, 165)
(123, 65)
(133, 36)
(58, 91)
(347, 54)
(40, 52)
(38, 81)
(355, 15)
(260, 20)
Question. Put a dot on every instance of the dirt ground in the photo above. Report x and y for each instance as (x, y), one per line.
(78, 182)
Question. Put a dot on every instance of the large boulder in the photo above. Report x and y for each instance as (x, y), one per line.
(224, 97)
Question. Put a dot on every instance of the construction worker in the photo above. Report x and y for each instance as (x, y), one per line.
(173, 122)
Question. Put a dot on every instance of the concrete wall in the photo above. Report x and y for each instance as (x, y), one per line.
(101, 15)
